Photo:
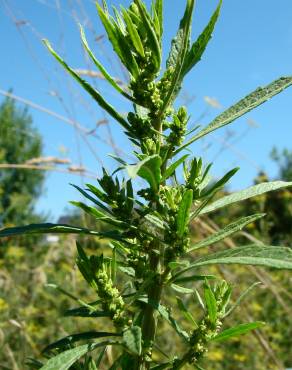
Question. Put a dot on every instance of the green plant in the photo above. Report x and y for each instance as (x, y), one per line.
(150, 239)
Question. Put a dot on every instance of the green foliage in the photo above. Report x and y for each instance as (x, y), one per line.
(149, 227)
(19, 142)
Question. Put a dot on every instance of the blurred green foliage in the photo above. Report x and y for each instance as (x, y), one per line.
(19, 188)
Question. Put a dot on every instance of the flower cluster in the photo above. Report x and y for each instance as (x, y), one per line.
(112, 302)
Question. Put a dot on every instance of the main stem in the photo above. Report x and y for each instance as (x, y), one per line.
(154, 293)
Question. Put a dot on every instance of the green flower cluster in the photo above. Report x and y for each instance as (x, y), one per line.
(112, 302)
(170, 198)
(178, 127)
(210, 325)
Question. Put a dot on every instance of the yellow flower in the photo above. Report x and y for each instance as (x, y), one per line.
(3, 305)
(15, 252)
(240, 358)
(215, 355)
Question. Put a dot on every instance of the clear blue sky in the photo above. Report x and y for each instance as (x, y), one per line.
(252, 46)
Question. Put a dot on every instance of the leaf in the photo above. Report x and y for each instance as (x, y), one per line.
(91, 364)
(226, 231)
(185, 312)
(220, 183)
(132, 338)
(49, 228)
(171, 169)
(198, 48)
(127, 270)
(104, 72)
(210, 302)
(89, 197)
(238, 330)
(100, 357)
(155, 221)
(250, 192)
(175, 264)
(85, 312)
(183, 214)
(257, 255)
(179, 49)
(148, 169)
(181, 41)
(186, 279)
(181, 289)
(251, 101)
(119, 42)
(151, 34)
(94, 93)
(70, 339)
(159, 11)
(31, 363)
(133, 33)
(97, 214)
(241, 298)
(64, 360)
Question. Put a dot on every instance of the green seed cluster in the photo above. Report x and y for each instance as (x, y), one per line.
(170, 198)
(116, 196)
(178, 127)
(207, 329)
(140, 127)
(112, 301)
(144, 87)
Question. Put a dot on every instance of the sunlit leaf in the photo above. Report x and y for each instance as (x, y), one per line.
(245, 105)
(94, 93)
(132, 338)
(251, 192)
(238, 330)
(226, 231)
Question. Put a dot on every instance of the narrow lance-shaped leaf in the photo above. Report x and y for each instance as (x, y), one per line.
(64, 360)
(171, 169)
(104, 72)
(220, 183)
(241, 298)
(133, 33)
(178, 52)
(119, 42)
(226, 231)
(73, 338)
(210, 302)
(246, 194)
(187, 314)
(183, 214)
(159, 11)
(257, 255)
(94, 94)
(237, 331)
(186, 279)
(94, 212)
(181, 289)
(132, 338)
(152, 38)
(198, 48)
(92, 199)
(50, 228)
(245, 105)
(84, 312)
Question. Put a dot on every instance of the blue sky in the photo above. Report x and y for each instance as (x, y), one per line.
(252, 46)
